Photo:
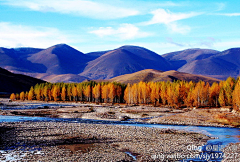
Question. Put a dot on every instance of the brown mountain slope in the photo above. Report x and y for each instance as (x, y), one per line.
(15, 83)
(124, 60)
(151, 75)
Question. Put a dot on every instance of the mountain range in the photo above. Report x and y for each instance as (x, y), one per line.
(206, 62)
(62, 63)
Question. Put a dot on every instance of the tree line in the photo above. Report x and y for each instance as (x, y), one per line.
(173, 94)
(85, 91)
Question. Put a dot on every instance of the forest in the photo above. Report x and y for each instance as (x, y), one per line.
(178, 94)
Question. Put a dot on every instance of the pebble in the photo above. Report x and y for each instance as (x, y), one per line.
(110, 142)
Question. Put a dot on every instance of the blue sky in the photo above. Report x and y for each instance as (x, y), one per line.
(96, 25)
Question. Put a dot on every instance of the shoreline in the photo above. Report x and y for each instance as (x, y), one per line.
(142, 113)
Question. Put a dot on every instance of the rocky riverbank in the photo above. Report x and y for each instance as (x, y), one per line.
(232, 152)
(60, 141)
(218, 117)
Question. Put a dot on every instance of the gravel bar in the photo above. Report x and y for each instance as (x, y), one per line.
(62, 141)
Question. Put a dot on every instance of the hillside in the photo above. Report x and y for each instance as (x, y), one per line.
(15, 60)
(96, 54)
(10, 82)
(61, 59)
(180, 58)
(54, 78)
(221, 65)
(124, 60)
(151, 75)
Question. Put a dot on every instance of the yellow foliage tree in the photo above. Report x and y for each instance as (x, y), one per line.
(22, 96)
(97, 92)
(56, 92)
(63, 93)
(87, 92)
(13, 96)
(112, 92)
(236, 96)
(127, 94)
(31, 94)
(74, 93)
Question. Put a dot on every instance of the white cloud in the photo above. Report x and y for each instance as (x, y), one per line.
(228, 14)
(220, 6)
(124, 32)
(176, 28)
(77, 7)
(18, 35)
(168, 18)
(224, 45)
(161, 16)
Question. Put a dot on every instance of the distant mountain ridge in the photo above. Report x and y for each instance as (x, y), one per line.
(64, 63)
(181, 58)
(124, 60)
(61, 59)
(211, 63)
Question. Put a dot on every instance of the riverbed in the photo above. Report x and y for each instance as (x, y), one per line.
(136, 143)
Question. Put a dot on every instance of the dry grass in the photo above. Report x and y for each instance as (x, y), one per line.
(150, 75)
(202, 117)
(228, 119)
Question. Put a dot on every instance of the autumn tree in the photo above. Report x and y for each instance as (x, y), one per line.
(69, 92)
(63, 93)
(88, 93)
(74, 93)
(13, 96)
(228, 87)
(56, 92)
(134, 93)
(163, 92)
(80, 91)
(200, 94)
(17, 96)
(222, 98)
(31, 94)
(214, 94)
(154, 93)
(127, 94)
(172, 94)
(26, 95)
(37, 92)
(118, 93)
(112, 92)
(97, 92)
(144, 90)
(236, 96)
(183, 93)
(22, 96)
(105, 91)
(46, 92)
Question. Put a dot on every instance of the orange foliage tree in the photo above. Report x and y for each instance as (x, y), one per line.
(174, 94)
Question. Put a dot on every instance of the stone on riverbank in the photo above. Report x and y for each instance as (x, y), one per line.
(106, 142)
